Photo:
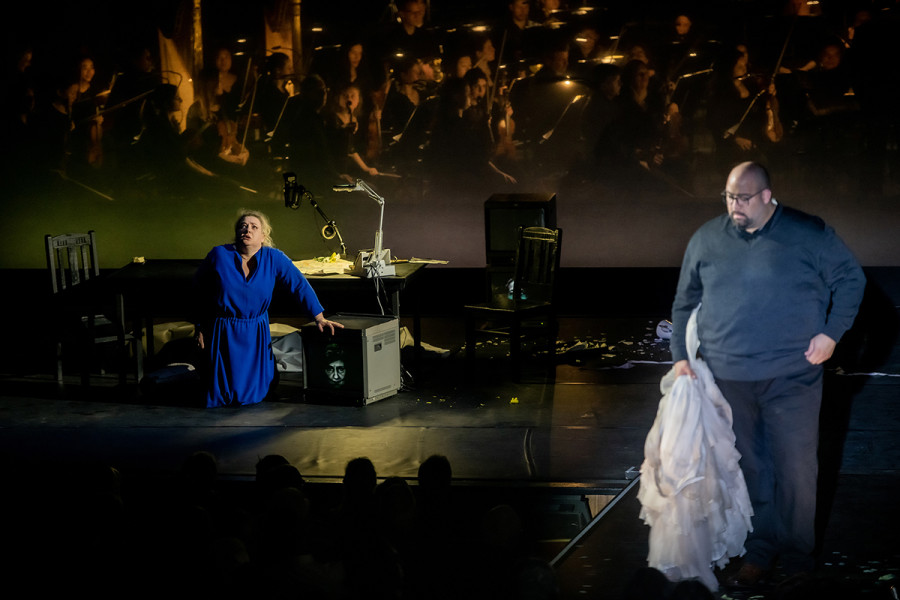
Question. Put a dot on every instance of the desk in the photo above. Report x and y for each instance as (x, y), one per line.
(164, 287)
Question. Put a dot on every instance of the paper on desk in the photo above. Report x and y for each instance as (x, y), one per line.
(429, 261)
(315, 266)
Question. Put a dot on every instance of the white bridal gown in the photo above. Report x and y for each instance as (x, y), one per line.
(692, 491)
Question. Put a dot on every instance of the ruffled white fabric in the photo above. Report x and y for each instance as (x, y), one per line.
(692, 490)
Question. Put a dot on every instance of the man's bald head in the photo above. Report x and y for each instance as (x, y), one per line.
(752, 173)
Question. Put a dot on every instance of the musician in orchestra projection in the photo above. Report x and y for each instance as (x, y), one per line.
(127, 98)
(539, 100)
(548, 12)
(307, 135)
(202, 136)
(406, 114)
(50, 128)
(513, 33)
(641, 118)
(274, 90)
(87, 135)
(161, 147)
(600, 120)
(495, 118)
(227, 93)
(17, 103)
(459, 150)
(350, 65)
(346, 135)
(586, 50)
(737, 104)
(457, 53)
(485, 56)
(407, 37)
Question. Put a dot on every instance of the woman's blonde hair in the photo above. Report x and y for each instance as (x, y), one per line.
(263, 220)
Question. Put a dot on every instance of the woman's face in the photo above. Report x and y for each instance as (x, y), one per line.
(479, 90)
(355, 54)
(487, 51)
(223, 61)
(413, 74)
(350, 98)
(463, 65)
(641, 78)
(249, 231)
(682, 25)
(612, 86)
(87, 70)
(740, 66)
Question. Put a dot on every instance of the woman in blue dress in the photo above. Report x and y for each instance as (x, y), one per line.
(235, 285)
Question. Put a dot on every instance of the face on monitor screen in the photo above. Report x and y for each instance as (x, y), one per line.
(335, 366)
(336, 373)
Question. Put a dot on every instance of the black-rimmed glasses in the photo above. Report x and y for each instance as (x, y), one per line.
(739, 199)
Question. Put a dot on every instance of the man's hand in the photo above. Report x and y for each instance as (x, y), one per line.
(820, 349)
(683, 367)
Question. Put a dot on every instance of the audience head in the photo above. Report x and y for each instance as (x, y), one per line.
(269, 462)
(501, 529)
(435, 473)
(360, 478)
(647, 583)
(531, 579)
(690, 589)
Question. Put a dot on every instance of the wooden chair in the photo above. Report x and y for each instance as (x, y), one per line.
(527, 310)
(77, 300)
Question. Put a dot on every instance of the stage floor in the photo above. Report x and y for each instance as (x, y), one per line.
(571, 436)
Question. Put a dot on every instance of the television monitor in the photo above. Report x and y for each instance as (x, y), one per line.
(359, 364)
(505, 213)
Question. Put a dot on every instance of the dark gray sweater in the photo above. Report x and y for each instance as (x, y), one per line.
(765, 295)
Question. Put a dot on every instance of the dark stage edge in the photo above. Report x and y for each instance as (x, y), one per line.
(544, 440)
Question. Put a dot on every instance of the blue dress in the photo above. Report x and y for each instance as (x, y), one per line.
(236, 320)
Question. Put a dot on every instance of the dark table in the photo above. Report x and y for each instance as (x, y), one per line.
(164, 287)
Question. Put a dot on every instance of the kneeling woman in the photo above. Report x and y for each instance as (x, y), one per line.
(235, 284)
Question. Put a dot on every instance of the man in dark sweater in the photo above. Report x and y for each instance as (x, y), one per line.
(777, 290)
